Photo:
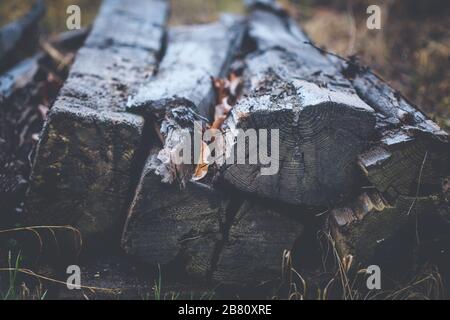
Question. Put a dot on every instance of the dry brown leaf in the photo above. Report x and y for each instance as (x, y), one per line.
(202, 167)
(226, 90)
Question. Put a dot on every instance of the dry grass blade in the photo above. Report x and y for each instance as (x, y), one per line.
(62, 60)
(34, 229)
(41, 277)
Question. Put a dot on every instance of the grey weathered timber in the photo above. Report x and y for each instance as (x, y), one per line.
(144, 27)
(19, 38)
(379, 142)
(165, 223)
(406, 166)
(194, 55)
(177, 132)
(323, 124)
(257, 238)
(205, 233)
(193, 227)
(348, 142)
(411, 152)
(82, 170)
(374, 231)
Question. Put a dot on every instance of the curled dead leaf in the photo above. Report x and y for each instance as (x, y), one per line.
(203, 165)
(227, 90)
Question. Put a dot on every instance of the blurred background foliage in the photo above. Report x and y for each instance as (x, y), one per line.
(411, 51)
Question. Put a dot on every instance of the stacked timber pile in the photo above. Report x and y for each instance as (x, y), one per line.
(349, 146)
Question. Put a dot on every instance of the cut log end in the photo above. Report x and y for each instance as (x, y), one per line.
(323, 125)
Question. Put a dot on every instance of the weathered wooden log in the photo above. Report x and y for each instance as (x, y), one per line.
(144, 27)
(191, 228)
(258, 236)
(19, 38)
(375, 232)
(323, 124)
(166, 224)
(406, 165)
(171, 218)
(82, 171)
(403, 155)
(411, 151)
(206, 234)
(195, 54)
(24, 90)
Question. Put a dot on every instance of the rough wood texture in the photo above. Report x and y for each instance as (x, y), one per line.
(83, 165)
(206, 234)
(258, 235)
(178, 125)
(293, 86)
(187, 226)
(19, 38)
(343, 133)
(406, 165)
(323, 124)
(194, 55)
(182, 91)
(375, 232)
(411, 153)
(165, 222)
